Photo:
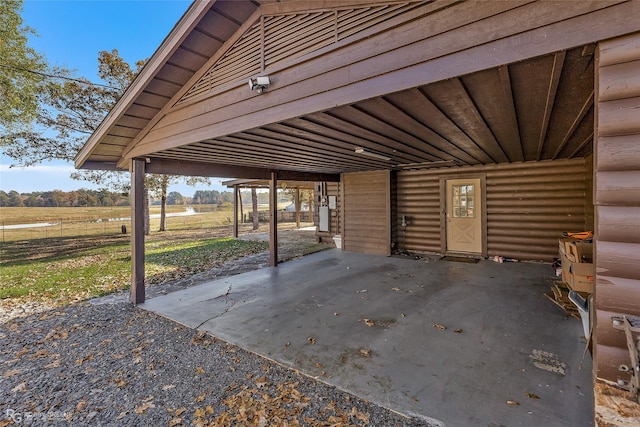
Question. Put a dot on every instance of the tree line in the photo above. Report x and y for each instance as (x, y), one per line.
(104, 197)
(58, 198)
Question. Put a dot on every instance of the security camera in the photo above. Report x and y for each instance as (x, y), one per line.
(260, 83)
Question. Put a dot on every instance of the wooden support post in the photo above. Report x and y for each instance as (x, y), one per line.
(137, 233)
(235, 211)
(273, 220)
(297, 202)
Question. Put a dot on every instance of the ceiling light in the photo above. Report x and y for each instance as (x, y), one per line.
(360, 150)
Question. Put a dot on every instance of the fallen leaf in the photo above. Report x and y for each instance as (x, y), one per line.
(361, 291)
(168, 387)
(439, 326)
(81, 405)
(532, 396)
(200, 398)
(11, 373)
(147, 405)
(366, 352)
(368, 322)
(199, 370)
(311, 340)
(457, 331)
(54, 364)
(512, 402)
(120, 382)
(396, 289)
(287, 344)
(199, 413)
(175, 421)
(122, 415)
(180, 411)
(362, 416)
(403, 315)
(20, 387)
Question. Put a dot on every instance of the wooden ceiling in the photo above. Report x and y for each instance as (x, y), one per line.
(539, 109)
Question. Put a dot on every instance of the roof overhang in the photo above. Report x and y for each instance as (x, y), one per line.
(416, 84)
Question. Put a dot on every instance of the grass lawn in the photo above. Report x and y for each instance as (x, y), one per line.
(63, 270)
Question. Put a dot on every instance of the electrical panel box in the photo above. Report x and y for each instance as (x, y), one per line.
(324, 218)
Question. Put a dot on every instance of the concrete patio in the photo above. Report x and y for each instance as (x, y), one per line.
(456, 343)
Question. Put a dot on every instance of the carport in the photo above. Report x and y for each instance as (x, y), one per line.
(530, 110)
(457, 344)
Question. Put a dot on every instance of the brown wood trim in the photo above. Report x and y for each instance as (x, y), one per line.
(168, 47)
(188, 168)
(556, 36)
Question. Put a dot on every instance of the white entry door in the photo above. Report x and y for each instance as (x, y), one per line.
(464, 215)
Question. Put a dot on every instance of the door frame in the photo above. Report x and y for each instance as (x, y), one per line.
(443, 211)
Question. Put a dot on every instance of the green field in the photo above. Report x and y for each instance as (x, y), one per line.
(60, 271)
(73, 222)
(79, 258)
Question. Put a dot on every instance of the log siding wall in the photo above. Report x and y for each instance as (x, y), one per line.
(528, 206)
(617, 199)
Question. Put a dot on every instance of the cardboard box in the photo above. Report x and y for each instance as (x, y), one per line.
(579, 276)
(580, 251)
(562, 244)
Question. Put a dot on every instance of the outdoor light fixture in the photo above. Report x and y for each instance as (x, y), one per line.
(259, 84)
(361, 150)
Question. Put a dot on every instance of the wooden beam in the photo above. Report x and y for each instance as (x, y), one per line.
(137, 233)
(189, 168)
(514, 132)
(583, 112)
(236, 194)
(554, 80)
(297, 203)
(273, 220)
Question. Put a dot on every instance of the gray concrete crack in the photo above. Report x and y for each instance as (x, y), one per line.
(226, 310)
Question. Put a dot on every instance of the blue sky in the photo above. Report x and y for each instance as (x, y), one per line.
(70, 34)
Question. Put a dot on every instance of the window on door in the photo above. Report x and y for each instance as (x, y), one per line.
(463, 201)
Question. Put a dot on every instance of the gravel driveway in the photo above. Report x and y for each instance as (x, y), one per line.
(108, 363)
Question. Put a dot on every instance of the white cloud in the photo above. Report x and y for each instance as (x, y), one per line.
(67, 169)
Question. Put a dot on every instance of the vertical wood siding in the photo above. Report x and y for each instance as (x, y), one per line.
(617, 199)
(367, 212)
(528, 206)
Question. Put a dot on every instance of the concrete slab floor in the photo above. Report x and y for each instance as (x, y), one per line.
(464, 344)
